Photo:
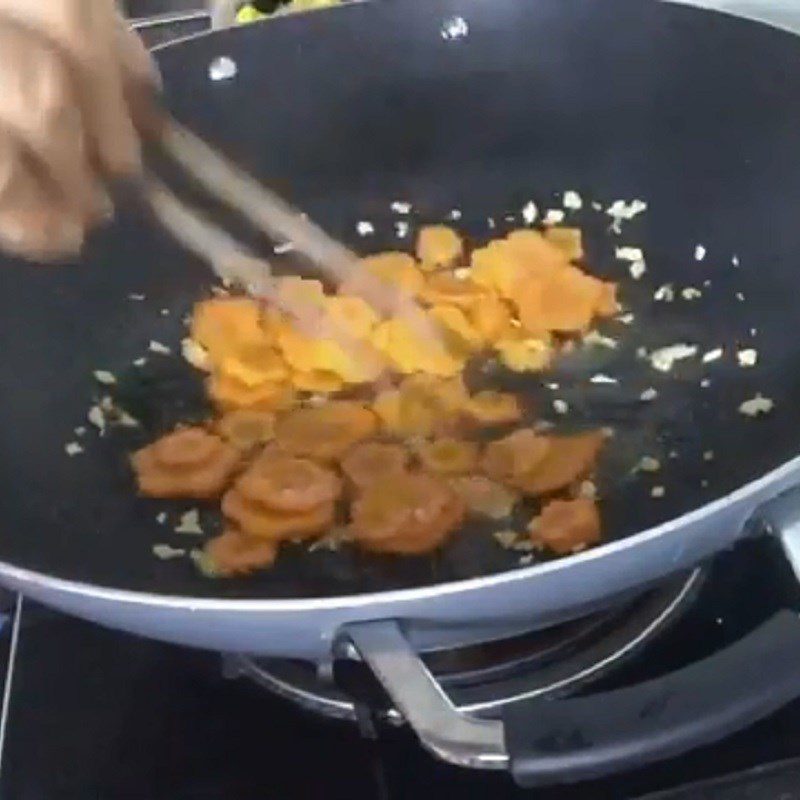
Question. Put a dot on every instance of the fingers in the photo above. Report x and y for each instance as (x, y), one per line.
(38, 107)
(86, 33)
(34, 220)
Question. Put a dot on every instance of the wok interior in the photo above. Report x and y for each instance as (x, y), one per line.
(345, 112)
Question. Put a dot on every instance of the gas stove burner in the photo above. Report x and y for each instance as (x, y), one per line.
(481, 679)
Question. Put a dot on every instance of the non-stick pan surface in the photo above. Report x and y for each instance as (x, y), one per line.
(348, 110)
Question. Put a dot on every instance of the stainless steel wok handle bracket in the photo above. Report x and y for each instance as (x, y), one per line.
(781, 517)
(449, 734)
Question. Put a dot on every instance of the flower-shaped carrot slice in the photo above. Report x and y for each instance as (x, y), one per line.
(326, 432)
(491, 318)
(221, 325)
(541, 258)
(568, 240)
(391, 268)
(284, 483)
(515, 455)
(246, 430)
(438, 246)
(256, 519)
(567, 459)
(372, 461)
(485, 497)
(186, 463)
(444, 288)
(230, 394)
(448, 456)
(566, 526)
(406, 514)
(234, 553)
(494, 408)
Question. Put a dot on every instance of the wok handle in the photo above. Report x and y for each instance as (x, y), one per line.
(581, 738)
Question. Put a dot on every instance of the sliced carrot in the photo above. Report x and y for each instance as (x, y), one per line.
(541, 258)
(515, 455)
(444, 288)
(233, 553)
(284, 483)
(325, 433)
(372, 461)
(568, 240)
(246, 429)
(438, 246)
(567, 459)
(566, 526)
(392, 268)
(186, 463)
(255, 519)
(221, 325)
(448, 456)
(318, 381)
(494, 408)
(491, 318)
(230, 394)
(406, 514)
(484, 497)
(460, 337)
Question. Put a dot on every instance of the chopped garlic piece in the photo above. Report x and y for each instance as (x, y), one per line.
(626, 319)
(657, 491)
(80, 431)
(73, 449)
(597, 206)
(756, 405)
(708, 455)
(705, 383)
(637, 269)
(747, 357)
(137, 297)
(601, 378)
(161, 518)
(195, 354)
(735, 260)
(529, 212)
(713, 355)
(665, 293)
(190, 523)
(98, 418)
(664, 358)
(505, 538)
(553, 216)
(462, 273)
(401, 229)
(105, 377)
(165, 552)
(621, 210)
(740, 296)
(157, 347)
(364, 228)
(283, 247)
(491, 223)
(595, 337)
(587, 490)
(648, 394)
(648, 464)
(140, 362)
(572, 200)
(630, 254)
(455, 214)
(699, 252)
(691, 293)
(560, 406)
(401, 207)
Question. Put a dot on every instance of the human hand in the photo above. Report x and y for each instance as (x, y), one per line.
(65, 123)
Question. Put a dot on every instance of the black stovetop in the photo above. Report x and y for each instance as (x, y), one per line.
(99, 714)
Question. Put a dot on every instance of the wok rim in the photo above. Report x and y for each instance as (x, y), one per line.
(24, 577)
